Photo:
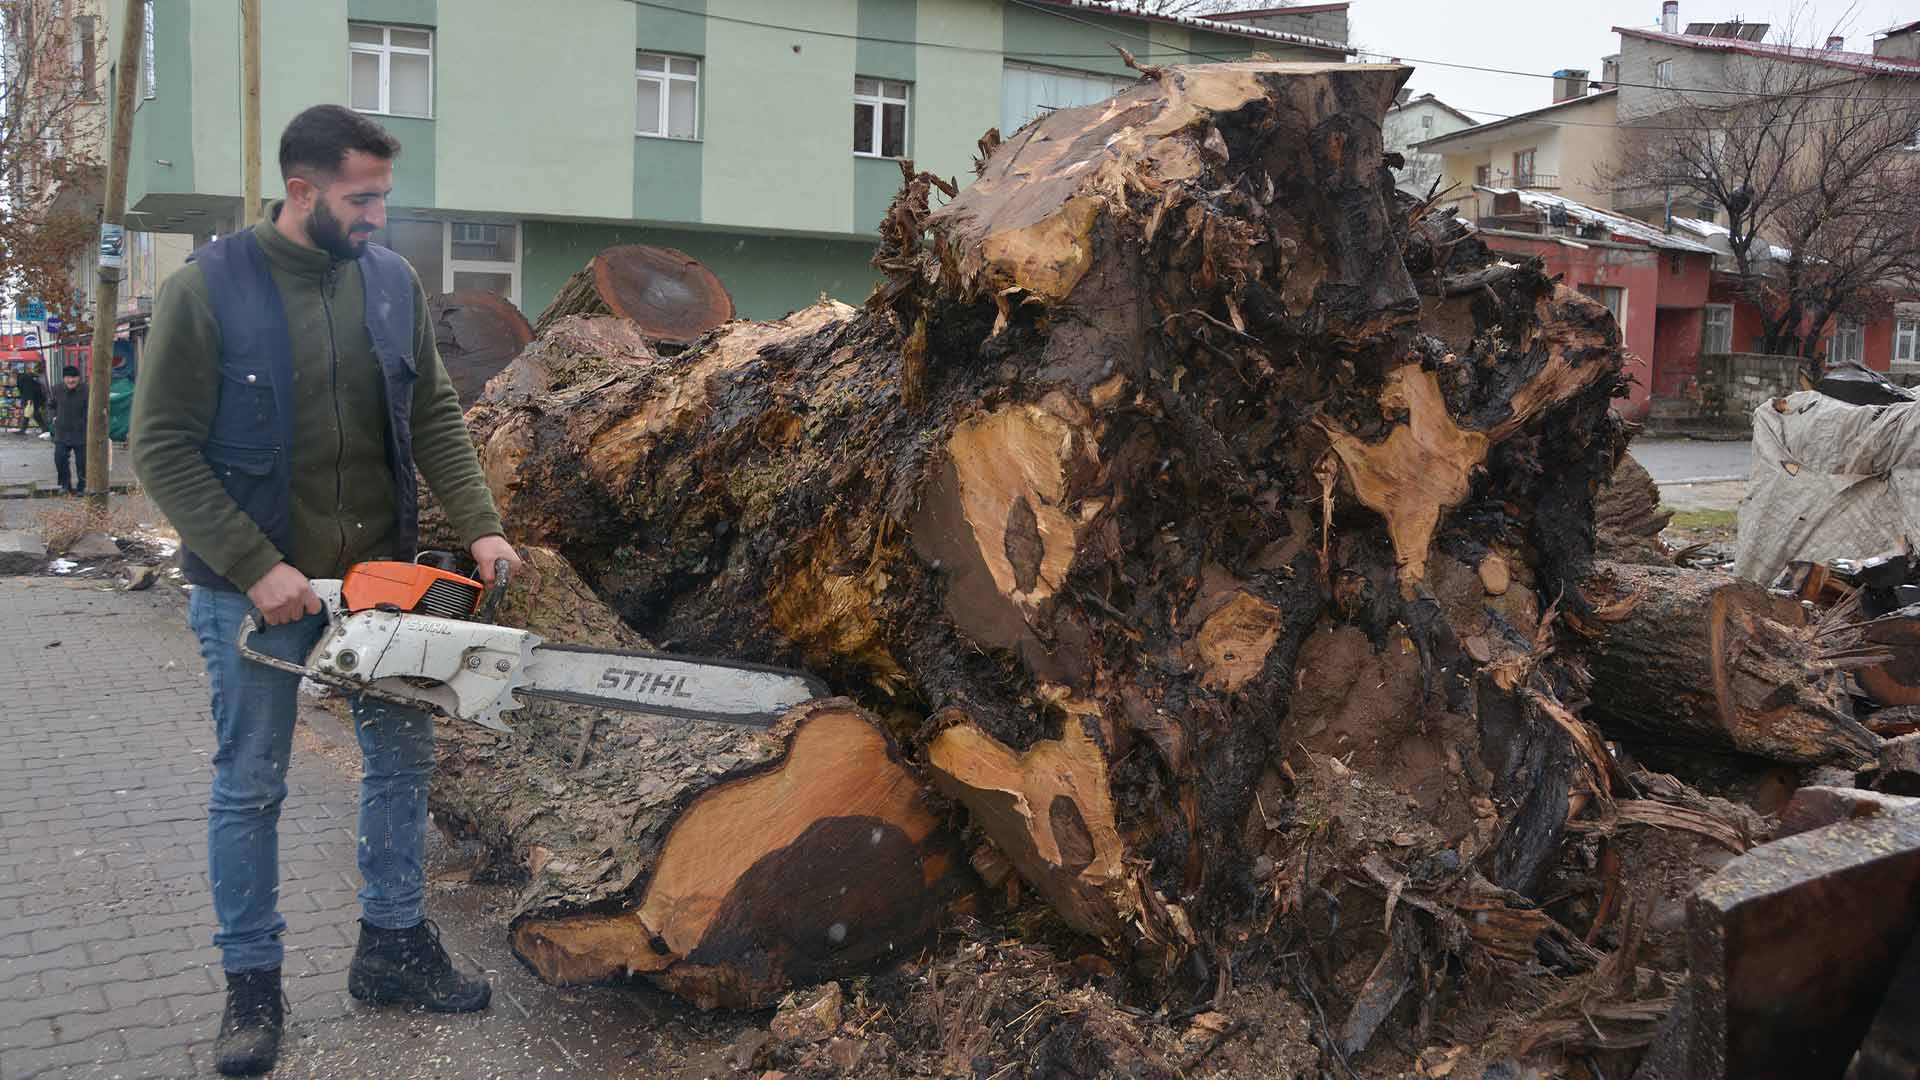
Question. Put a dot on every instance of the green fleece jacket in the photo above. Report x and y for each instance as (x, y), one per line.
(343, 509)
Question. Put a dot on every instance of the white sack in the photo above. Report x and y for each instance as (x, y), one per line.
(1830, 481)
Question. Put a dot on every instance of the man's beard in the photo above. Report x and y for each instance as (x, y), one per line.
(328, 235)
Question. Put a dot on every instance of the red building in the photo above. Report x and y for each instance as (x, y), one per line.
(1889, 338)
(1657, 284)
(1672, 292)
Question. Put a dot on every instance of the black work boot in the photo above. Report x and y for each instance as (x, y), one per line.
(249, 1040)
(409, 967)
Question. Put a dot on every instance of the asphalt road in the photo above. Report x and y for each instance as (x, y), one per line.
(1678, 461)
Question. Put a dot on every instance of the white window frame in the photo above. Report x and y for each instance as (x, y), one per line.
(450, 265)
(880, 102)
(146, 57)
(1114, 82)
(1725, 311)
(1663, 73)
(1906, 339)
(1605, 291)
(1849, 341)
(666, 77)
(385, 51)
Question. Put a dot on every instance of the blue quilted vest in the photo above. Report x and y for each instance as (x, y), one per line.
(250, 442)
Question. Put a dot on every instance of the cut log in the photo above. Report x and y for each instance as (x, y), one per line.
(1154, 408)
(1701, 658)
(1627, 517)
(478, 333)
(726, 864)
(670, 295)
(1895, 681)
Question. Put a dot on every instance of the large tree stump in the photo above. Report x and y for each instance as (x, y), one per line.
(1700, 658)
(1160, 413)
(724, 863)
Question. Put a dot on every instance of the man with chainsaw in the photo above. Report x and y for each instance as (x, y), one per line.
(289, 389)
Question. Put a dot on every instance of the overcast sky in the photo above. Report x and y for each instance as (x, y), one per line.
(1502, 34)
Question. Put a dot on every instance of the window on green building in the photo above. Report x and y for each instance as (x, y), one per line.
(450, 255)
(667, 96)
(146, 53)
(879, 117)
(1029, 91)
(390, 69)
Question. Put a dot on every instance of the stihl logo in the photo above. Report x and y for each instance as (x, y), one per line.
(641, 682)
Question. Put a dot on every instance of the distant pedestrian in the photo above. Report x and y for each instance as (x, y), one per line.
(69, 404)
(34, 397)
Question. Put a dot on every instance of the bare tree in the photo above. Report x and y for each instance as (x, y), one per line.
(1811, 158)
(1193, 7)
(52, 118)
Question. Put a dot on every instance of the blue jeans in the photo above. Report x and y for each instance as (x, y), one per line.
(253, 710)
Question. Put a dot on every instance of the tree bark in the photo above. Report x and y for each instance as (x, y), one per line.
(1189, 549)
(1703, 659)
(1627, 517)
(724, 863)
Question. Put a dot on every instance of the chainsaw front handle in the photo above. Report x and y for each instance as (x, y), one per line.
(502, 573)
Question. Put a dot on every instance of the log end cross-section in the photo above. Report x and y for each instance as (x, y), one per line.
(826, 862)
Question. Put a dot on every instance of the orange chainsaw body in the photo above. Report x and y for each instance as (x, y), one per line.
(410, 587)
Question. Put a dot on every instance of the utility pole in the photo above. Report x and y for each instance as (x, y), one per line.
(250, 109)
(112, 225)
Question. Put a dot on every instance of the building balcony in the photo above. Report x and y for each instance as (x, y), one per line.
(1536, 182)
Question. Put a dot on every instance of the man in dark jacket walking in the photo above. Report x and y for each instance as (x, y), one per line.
(34, 396)
(290, 388)
(69, 404)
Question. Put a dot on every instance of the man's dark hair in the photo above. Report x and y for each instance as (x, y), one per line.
(317, 141)
(69, 370)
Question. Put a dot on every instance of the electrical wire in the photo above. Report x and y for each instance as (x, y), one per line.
(1048, 9)
(1056, 11)
(1692, 128)
(1401, 57)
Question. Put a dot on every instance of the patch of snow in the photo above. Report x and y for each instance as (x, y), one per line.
(1613, 223)
(63, 566)
(1702, 228)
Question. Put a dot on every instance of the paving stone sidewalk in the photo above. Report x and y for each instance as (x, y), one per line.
(26, 465)
(106, 964)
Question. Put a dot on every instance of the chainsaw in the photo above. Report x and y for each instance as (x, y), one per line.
(416, 634)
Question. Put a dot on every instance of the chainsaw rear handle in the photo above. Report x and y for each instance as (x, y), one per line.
(331, 605)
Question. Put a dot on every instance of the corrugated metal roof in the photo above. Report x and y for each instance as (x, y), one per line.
(1195, 22)
(1613, 223)
(1840, 58)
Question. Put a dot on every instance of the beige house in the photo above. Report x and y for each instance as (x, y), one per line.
(1563, 148)
(71, 46)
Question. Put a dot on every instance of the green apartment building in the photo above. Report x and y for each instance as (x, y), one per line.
(759, 136)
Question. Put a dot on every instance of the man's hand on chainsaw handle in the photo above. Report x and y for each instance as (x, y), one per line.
(284, 595)
(487, 549)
